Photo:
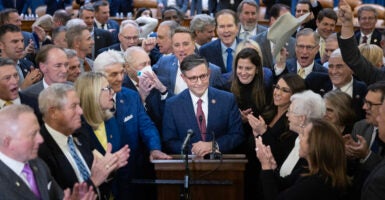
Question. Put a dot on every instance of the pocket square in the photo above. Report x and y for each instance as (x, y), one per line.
(128, 118)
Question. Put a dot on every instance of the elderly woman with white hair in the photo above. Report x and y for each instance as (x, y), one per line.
(304, 106)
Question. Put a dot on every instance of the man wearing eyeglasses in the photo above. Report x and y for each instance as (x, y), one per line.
(128, 37)
(363, 145)
(203, 109)
(368, 34)
(306, 48)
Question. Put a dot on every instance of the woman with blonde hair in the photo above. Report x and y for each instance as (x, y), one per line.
(373, 54)
(96, 100)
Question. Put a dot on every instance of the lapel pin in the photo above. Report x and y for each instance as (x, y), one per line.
(213, 101)
(97, 37)
(357, 96)
(121, 101)
(17, 184)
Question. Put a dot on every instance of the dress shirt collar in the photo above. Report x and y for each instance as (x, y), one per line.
(195, 99)
(252, 32)
(45, 84)
(14, 165)
(224, 47)
(347, 88)
(59, 138)
(15, 101)
(99, 25)
(308, 69)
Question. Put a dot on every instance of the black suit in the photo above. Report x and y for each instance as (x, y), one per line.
(102, 39)
(58, 163)
(361, 67)
(320, 83)
(375, 38)
(115, 47)
(374, 186)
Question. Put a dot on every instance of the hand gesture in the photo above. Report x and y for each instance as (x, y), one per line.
(153, 78)
(345, 14)
(264, 155)
(148, 44)
(257, 124)
(103, 166)
(80, 191)
(157, 154)
(244, 114)
(122, 156)
(359, 149)
(145, 87)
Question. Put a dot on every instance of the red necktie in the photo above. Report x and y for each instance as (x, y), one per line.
(201, 120)
(364, 39)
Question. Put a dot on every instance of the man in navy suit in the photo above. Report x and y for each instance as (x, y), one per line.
(340, 77)
(101, 37)
(140, 132)
(306, 48)
(23, 174)
(221, 50)
(203, 109)
(368, 34)
(102, 21)
(168, 67)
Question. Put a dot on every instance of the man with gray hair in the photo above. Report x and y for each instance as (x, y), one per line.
(203, 28)
(73, 65)
(247, 12)
(141, 134)
(128, 37)
(19, 164)
(67, 149)
(367, 19)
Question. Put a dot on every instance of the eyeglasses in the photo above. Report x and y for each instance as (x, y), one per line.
(307, 47)
(283, 89)
(130, 38)
(194, 79)
(367, 18)
(108, 88)
(370, 104)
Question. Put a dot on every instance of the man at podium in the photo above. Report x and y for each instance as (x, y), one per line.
(211, 114)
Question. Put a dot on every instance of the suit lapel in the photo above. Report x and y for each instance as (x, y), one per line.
(220, 59)
(40, 180)
(19, 187)
(212, 114)
(173, 72)
(190, 114)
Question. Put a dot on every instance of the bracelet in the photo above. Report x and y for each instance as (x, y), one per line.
(164, 93)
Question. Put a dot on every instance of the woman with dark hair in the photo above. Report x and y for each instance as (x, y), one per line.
(339, 111)
(143, 12)
(276, 133)
(321, 144)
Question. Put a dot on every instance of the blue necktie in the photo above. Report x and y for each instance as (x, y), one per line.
(229, 61)
(83, 170)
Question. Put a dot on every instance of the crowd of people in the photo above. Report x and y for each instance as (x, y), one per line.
(87, 103)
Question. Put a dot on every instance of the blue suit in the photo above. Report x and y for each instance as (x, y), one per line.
(167, 67)
(112, 24)
(212, 51)
(223, 119)
(181, 4)
(140, 133)
(154, 103)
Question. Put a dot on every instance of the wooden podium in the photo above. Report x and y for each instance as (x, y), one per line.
(209, 179)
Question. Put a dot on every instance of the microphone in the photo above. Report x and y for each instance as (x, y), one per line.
(187, 139)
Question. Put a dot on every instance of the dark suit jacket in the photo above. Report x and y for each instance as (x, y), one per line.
(375, 39)
(223, 120)
(373, 188)
(102, 39)
(25, 66)
(361, 67)
(212, 51)
(13, 187)
(60, 167)
(112, 24)
(53, 5)
(167, 67)
(264, 44)
(115, 47)
(215, 6)
(10, 4)
(320, 83)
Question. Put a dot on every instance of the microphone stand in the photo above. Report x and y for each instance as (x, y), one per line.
(185, 194)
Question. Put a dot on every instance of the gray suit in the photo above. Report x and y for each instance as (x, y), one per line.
(267, 56)
(260, 29)
(34, 90)
(365, 130)
(13, 187)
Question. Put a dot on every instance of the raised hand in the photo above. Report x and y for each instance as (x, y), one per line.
(257, 124)
(264, 155)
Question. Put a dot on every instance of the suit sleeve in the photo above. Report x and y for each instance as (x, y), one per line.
(234, 135)
(361, 67)
(171, 141)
